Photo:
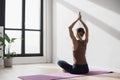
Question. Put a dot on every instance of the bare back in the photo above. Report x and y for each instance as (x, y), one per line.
(79, 53)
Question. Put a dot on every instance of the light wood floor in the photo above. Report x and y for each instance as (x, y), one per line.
(32, 69)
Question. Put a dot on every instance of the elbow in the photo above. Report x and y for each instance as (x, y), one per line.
(70, 27)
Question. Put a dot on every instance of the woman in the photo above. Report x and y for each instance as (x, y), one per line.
(80, 65)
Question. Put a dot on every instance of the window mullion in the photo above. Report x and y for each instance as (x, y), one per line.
(41, 22)
(23, 28)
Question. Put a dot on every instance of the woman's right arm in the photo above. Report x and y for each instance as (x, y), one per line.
(70, 29)
(74, 40)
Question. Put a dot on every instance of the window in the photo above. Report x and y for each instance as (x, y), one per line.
(24, 21)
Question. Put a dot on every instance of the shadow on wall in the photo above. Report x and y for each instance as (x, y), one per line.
(109, 29)
(113, 5)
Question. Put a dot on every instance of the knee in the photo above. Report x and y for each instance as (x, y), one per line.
(60, 62)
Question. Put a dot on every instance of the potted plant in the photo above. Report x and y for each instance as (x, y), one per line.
(6, 42)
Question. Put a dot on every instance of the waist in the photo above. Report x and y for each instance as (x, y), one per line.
(81, 64)
(80, 61)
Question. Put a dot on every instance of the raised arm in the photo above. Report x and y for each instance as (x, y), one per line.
(70, 29)
(86, 28)
(74, 40)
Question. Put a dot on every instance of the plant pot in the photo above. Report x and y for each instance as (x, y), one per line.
(8, 62)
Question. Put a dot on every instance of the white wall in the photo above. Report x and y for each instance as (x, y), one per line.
(103, 49)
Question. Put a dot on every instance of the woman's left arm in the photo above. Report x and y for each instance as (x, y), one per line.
(86, 28)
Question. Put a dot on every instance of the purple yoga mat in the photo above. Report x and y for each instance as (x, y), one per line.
(57, 76)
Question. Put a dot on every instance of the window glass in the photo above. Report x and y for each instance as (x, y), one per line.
(32, 42)
(32, 16)
(16, 46)
(13, 14)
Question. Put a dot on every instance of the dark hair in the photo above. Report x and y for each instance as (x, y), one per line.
(79, 30)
